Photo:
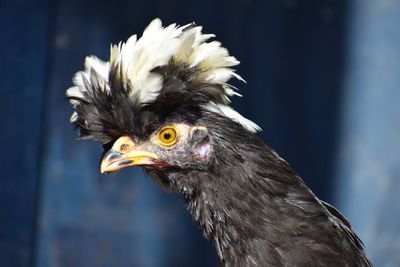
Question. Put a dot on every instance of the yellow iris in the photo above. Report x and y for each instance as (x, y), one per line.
(167, 136)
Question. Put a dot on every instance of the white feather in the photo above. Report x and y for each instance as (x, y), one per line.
(135, 60)
(74, 117)
(159, 45)
(219, 75)
(100, 67)
(138, 57)
(92, 64)
(229, 112)
(75, 92)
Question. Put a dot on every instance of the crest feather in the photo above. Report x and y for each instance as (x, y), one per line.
(170, 63)
(133, 62)
(229, 112)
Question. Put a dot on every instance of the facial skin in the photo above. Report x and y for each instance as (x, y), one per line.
(173, 145)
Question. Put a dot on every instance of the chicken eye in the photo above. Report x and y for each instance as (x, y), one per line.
(167, 136)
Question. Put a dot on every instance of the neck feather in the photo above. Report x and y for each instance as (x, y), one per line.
(258, 212)
(240, 200)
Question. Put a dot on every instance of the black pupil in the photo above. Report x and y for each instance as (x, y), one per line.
(167, 135)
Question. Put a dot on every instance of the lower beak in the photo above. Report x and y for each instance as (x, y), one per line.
(114, 160)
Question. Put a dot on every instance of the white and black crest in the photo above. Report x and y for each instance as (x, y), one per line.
(150, 76)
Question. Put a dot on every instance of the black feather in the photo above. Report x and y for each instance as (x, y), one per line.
(104, 115)
(256, 210)
(248, 201)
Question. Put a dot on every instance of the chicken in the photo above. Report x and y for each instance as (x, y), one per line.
(162, 102)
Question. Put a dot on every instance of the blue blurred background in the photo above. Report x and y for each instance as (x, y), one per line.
(323, 83)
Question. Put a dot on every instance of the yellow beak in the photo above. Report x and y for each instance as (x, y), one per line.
(123, 154)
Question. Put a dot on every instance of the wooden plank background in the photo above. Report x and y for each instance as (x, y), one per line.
(55, 207)
(23, 68)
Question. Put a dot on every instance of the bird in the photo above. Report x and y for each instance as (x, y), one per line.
(162, 102)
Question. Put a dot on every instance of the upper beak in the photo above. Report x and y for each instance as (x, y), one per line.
(115, 159)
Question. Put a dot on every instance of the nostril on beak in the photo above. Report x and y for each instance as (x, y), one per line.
(125, 162)
(113, 156)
